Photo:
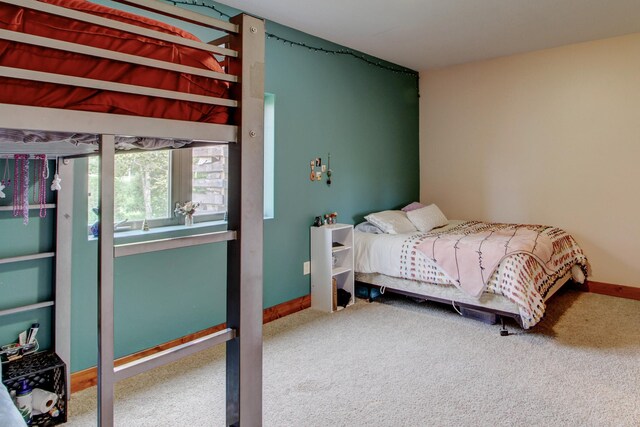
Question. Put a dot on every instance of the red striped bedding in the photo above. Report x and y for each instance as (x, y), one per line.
(23, 92)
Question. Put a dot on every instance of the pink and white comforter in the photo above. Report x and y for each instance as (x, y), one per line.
(522, 277)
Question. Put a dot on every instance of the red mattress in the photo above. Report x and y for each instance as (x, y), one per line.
(17, 55)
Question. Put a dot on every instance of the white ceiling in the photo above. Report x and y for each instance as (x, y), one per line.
(424, 34)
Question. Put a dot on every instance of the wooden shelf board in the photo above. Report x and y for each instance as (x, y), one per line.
(340, 270)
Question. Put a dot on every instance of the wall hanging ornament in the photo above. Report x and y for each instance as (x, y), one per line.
(5, 182)
(21, 187)
(318, 169)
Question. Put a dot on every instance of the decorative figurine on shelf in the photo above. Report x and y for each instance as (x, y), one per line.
(188, 210)
(326, 219)
(330, 218)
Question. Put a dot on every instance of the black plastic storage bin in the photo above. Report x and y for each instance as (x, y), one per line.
(42, 370)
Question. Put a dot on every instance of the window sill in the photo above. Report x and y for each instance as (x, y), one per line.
(166, 232)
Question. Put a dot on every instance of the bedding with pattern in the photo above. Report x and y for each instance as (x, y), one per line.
(520, 276)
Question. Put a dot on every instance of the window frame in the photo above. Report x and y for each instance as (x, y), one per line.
(181, 191)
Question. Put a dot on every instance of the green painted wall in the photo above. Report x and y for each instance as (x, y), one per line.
(26, 282)
(366, 117)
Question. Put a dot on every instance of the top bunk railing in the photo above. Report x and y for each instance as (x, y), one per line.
(183, 14)
(152, 5)
(110, 54)
(47, 118)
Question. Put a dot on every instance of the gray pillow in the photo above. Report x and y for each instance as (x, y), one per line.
(367, 227)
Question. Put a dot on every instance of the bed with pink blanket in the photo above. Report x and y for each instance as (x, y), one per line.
(504, 269)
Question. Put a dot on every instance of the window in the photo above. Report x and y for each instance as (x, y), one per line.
(148, 185)
(269, 153)
(209, 180)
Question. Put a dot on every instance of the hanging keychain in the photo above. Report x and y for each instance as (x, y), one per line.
(5, 181)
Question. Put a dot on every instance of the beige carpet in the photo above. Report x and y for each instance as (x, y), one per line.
(401, 363)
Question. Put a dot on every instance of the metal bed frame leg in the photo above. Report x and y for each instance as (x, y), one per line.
(105, 283)
(503, 332)
(64, 230)
(245, 254)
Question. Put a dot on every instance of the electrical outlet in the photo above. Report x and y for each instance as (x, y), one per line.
(306, 267)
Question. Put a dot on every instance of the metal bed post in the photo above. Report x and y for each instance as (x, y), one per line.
(105, 283)
(244, 255)
(64, 233)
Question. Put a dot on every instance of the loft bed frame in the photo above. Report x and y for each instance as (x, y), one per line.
(244, 69)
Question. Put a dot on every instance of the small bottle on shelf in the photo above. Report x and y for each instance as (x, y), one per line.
(24, 400)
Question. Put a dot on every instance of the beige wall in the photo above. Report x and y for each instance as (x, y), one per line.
(549, 137)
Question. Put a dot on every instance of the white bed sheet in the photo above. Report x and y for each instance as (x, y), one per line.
(379, 253)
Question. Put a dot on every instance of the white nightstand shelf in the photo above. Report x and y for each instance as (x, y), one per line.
(331, 265)
(339, 270)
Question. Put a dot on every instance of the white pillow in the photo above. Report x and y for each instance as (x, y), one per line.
(391, 222)
(427, 218)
